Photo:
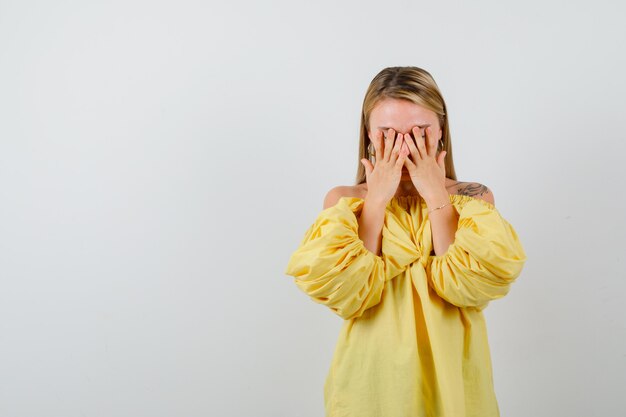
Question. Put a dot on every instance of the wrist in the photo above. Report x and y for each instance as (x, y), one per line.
(437, 198)
(372, 200)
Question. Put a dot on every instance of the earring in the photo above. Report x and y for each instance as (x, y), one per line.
(371, 152)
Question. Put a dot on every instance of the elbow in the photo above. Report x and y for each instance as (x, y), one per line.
(508, 271)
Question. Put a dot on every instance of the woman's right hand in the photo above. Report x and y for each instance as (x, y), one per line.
(384, 176)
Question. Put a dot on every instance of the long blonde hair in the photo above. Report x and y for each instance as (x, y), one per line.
(415, 85)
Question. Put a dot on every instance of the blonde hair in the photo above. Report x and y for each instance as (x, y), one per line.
(415, 85)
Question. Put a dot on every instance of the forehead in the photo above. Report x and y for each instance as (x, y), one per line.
(400, 115)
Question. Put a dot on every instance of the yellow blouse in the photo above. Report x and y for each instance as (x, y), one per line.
(414, 341)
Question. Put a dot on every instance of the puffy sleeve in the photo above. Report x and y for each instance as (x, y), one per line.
(483, 261)
(332, 264)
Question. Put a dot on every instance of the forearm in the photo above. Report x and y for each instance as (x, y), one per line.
(443, 222)
(371, 224)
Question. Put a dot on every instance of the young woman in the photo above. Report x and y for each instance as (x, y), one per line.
(408, 257)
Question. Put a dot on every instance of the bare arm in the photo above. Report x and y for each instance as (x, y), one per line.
(370, 221)
(371, 224)
(444, 222)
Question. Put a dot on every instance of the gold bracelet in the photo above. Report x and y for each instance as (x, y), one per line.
(447, 204)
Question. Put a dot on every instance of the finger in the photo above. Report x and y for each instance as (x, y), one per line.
(420, 142)
(374, 145)
(400, 161)
(388, 143)
(409, 164)
(368, 167)
(443, 158)
(378, 144)
(442, 163)
(431, 143)
(396, 147)
(414, 151)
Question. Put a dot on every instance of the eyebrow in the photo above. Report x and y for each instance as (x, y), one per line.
(387, 128)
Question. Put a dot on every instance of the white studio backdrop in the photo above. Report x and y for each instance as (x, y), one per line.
(160, 161)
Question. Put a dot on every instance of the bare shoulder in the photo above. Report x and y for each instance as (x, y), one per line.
(474, 189)
(335, 193)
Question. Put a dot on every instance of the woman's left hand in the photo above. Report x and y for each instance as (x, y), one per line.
(426, 168)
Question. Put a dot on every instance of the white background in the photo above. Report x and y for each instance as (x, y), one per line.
(160, 161)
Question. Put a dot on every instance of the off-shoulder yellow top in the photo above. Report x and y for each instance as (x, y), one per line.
(413, 342)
